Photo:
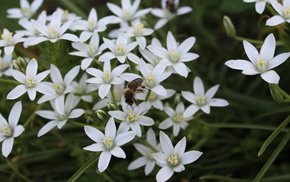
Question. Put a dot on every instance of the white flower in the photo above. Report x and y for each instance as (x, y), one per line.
(259, 5)
(88, 51)
(31, 82)
(26, 11)
(117, 97)
(175, 55)
(175, 119)
(10, 130)
(283, 13)
(146, 160)
(5, 64)
(138, 31)
(106, 78)
(165, 14)
(62, 112)
(200, 99)
(133, 117)
(149, 56)
(9, 40)
(31, 31)
(60, 85)
(128, 11)
(91, 25)
(108, 143)
(119, 49)
(173, 159)
(153, 76)
(83, 88)
(65, 15)
(154, 99)
(54, 31)
(261, 63)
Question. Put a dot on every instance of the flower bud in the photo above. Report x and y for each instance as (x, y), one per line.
(229, 26)
(177, 98)
(102, 115)
(275, 91)
(112, 106)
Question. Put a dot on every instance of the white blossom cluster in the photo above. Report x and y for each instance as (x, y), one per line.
(105, 65)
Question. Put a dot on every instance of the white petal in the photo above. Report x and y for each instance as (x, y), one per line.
(251, 51)
(190, 111)
(164, 174)
(159, 90)
(166, 124)
(104, 90)
(15, 114)
(268, 48)
(210, 93)
(198, 86)
(76, 113)
(240, 64)
(18, 130)
(16, 92)
(271, 77)
(189, 96)
(96, 147)
(277, 60)
(165, 142)
(189, 157)
(104, 161)
(181, 69)
(118, 152)
(141, 161)
(125, 137)
(94, 134)
(46, 128)
(218, 103)
(180, 147)
(7, 146)
(275, 20)
(260, 6)
(149, 167)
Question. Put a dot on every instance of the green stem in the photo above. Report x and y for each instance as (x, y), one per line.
(255, 41)
(113, 96)
(147, 96)
(273, 135)
(223, 178)
(9, 81)
(16, 171)
(273, 157)
(81, 170)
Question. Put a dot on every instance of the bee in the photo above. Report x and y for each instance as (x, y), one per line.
(171, 6)
(133, 86)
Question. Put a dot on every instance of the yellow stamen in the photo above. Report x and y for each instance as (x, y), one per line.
(30, 82)
(108, 142)
(131, 117)
(173, 160)
(178, 118)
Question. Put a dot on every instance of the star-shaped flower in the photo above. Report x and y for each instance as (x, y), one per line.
(260, 63)
(9, 130)
(108, 143)
(201, 99)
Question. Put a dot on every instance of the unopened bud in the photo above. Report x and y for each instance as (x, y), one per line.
(275, 91)
(229, 26)
(102, 115)
(112, 106)
(177, 98)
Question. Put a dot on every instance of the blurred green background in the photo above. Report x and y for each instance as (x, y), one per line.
(226, 137)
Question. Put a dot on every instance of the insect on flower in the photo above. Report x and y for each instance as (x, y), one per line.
(134, 85)
(171, 6)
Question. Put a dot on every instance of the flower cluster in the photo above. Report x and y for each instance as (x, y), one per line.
(103, 65)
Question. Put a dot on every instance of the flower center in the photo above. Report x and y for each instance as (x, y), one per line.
(131, 117)
(261, 64)
(173, 160)
(121, 49)
(126, 14)
(92, 24)
(178, 118)
(150, 78)
(58, 88)
(175, 56)
(6, 131)
(107, 76)
(287, 11)
(52, 31)
(7, 38)
(108, 142)
(62, 117)
(79, 89)
(200, 100)
(2, 64)
(150, 152)
(138, 29)
(152, 96)
(91, 49)
(26, 12)
(30, 82)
